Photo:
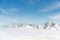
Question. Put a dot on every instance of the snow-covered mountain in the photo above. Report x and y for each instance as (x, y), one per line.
(51, 26)
(46, 26)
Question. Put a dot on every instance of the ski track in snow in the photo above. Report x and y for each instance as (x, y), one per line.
(25, 34)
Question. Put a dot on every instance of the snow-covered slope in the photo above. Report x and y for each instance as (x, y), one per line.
(24, 34)
(30, 32)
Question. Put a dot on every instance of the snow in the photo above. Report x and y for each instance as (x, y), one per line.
(28, 27)
(30, 32)
(25, 34)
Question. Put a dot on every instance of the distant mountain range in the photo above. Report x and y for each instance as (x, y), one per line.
(46, 26)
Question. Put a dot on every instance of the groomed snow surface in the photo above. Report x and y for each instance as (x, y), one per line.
(28, 34)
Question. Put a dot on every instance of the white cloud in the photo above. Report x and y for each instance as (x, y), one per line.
(9, 10)
(14, 9)
(50, 8)
(3, 11)
(32, 2)
(55, 17)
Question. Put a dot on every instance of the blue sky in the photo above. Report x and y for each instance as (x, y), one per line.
(29, 11)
